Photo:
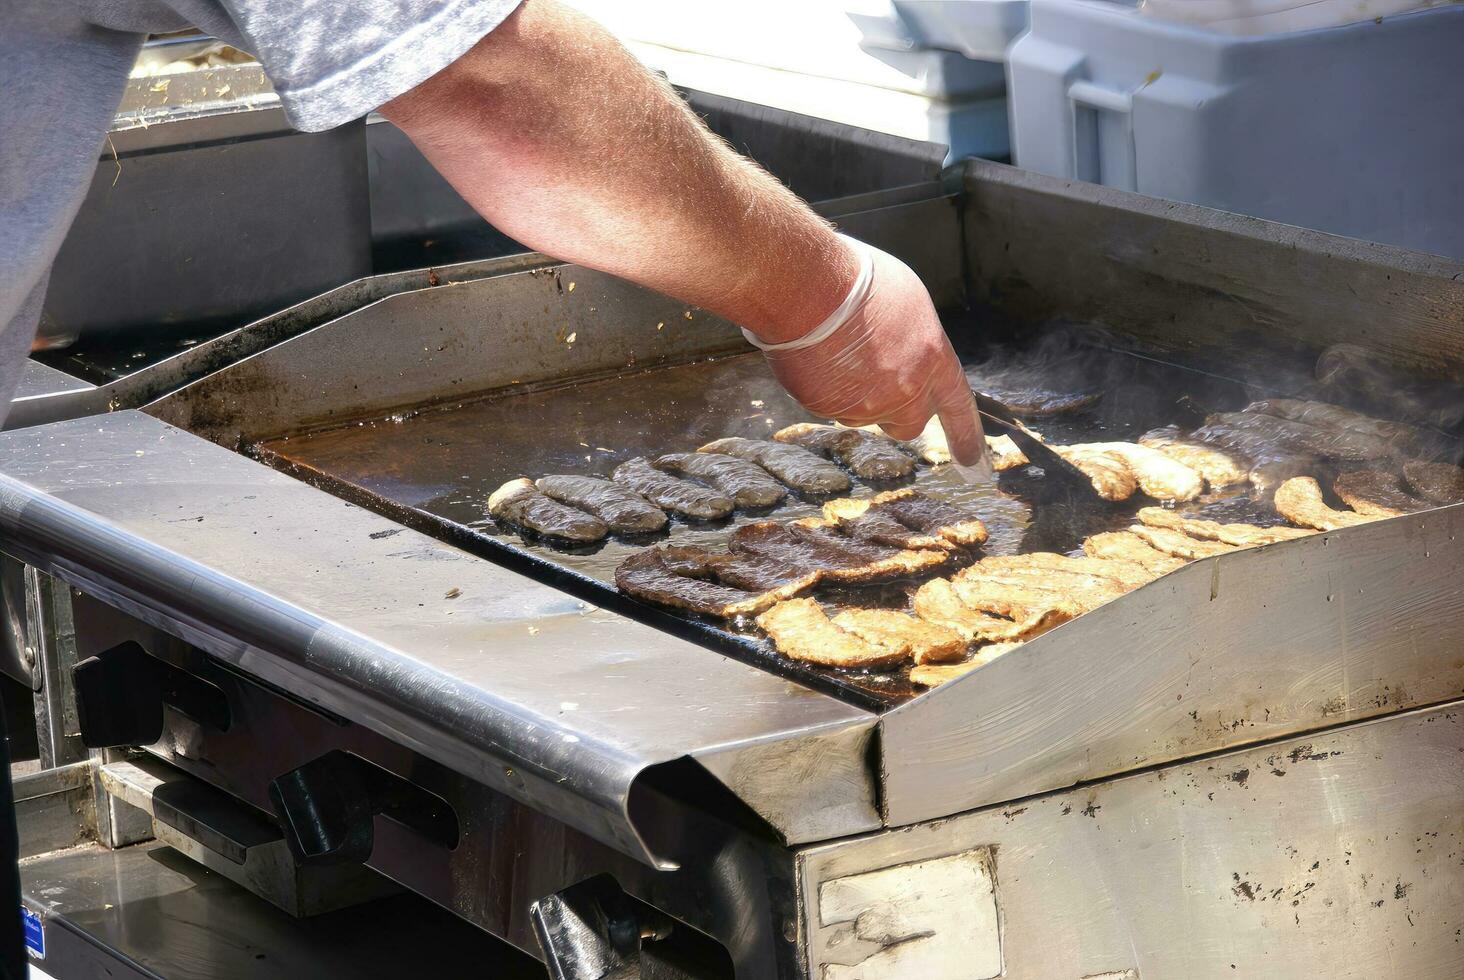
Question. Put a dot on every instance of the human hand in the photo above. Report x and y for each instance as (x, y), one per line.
(884, 358)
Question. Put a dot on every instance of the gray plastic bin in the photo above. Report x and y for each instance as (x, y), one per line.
(1355, 130)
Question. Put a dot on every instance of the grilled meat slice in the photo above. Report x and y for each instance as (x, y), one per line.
(927, 643)
(933, 675)
(625, 511)
(800, 629)
(1287, 437)
(939, 602)
(1409, 439)
(916, 510)
(1376, 493)
(1239, 535)
(1266, 476)
(1112, 479)
(750, 572)
(857, 519)
(1127, 546)
(1005, 454)
(1299, 500)
(519, 503)
(1046, 565)
(649, 575)
(814, 545)
(1218, 469)
(1179, 544)
(804, 471)
(868, 455)
(1061, 571)
(672, 493)
(906, 519)
(1438, 483)
(1024, 586)
(1156, 474)
(1271, 462)
(748, 484)
(1028, 390)
(929, 446)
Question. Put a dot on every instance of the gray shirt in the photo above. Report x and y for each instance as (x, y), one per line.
(64, 63)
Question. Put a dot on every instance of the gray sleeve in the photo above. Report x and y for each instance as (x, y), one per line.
(332, 61)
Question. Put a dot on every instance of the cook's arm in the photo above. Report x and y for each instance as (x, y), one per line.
(561, 139)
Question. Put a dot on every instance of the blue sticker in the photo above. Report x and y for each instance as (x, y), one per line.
(35, 933)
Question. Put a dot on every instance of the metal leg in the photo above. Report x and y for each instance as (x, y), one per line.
(53, 639)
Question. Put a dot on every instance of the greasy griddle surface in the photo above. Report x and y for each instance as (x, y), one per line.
(435, 469)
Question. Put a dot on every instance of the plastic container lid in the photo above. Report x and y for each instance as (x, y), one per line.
(1258, 17)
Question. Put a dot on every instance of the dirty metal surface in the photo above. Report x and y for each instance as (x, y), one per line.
(1247, 646)
(1334, 855)
(543, 697)
(434, 470)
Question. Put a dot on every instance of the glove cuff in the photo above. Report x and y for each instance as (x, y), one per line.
(858, 293)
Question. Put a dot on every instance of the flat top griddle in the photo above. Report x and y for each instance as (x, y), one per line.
(434, 470)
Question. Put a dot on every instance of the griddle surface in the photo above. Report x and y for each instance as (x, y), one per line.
(435, 469)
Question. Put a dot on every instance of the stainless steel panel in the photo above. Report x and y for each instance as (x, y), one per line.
(540, 326)
(512, 683)
(208, 209)
(1254, 645)
(929, 245)
(50, 403)
(1335, 855)
(53, 809)
(39, 379)
(1191, 278)
(148, 911)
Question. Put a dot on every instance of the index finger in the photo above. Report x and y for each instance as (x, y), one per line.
(962, 423)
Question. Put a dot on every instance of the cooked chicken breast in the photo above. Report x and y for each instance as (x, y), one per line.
(800, 629)
(1217, 468)
(1179, 544)
(1127, 546)
(1125, 574)
(520, 504)
(1240, 535)
(937, 601)
(1005, 454)
(1157, 475)
(1111, 477)
(1299, 500)
(933, 675)
(927, 643)
(1027, 591)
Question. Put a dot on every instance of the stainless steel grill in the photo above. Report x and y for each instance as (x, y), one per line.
(738, 801)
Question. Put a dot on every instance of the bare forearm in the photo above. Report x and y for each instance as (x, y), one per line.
(557, 136)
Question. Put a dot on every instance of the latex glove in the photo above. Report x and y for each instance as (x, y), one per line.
(883, 358)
